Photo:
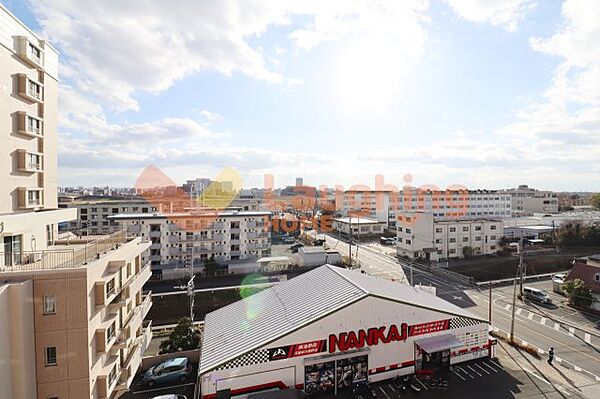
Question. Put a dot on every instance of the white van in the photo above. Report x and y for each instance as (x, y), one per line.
(537, 295)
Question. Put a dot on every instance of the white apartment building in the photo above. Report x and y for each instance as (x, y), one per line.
(72, 308)
(358, 226)
(93, 214)
(527, 201)
(420, 235)
(223, 236)
(384, 205)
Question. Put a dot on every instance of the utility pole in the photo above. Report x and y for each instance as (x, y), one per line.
(350, 239)
(411, 273)
(521, 268)
(190, 286)
(514, 299)
(490, 305)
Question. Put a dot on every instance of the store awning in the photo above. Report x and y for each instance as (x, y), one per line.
(438, 343)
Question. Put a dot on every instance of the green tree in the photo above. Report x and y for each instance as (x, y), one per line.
(183, 337)
(596, 201)
(577, 292)
(467, 252)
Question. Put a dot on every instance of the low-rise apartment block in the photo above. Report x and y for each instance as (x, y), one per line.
(385, 205)
(527, 201)
(222, 236)
(420, 235)
(357, 226)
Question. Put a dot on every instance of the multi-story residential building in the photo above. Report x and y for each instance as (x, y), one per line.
(527, 201)
(222, 236)
(384, 205)
(420, 235)
(93, 213)
(568, 200)
(72, 308)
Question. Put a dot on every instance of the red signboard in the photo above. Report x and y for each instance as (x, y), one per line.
(427, 328)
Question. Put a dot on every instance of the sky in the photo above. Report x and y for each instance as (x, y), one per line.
(479, 93)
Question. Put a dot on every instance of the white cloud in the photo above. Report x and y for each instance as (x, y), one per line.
(294, 82)
(210, 116)
(505, 13)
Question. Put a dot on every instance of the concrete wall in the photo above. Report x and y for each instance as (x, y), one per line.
(17, 354)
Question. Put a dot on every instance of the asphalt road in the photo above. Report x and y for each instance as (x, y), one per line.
(574, 336)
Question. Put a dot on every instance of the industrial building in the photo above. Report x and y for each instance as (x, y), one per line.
(327, 329)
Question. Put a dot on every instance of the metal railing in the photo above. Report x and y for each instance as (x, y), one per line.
(85, 249)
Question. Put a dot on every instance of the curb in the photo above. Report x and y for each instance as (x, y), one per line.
(563, 362)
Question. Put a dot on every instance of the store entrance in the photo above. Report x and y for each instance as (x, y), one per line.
(327, 378)
(436, 360)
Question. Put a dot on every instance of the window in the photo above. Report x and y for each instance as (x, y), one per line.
(49, 304)
(408, 231)
(83, 211)
(34, 89)
(493, 247)
(12, 250)
(34, 125)
(453, 240)
(35, 53)
(115, 210)
(597, 276)
(438, 241)
(33, 161)
(465, 228)
(493, 227)
(438, 230)
(477, 228)
(452, 229)
(110, 287)
(408, 241)
(110, 332)
(112, 376)
(34, 197)
(465, 239)
(478, 238)
(452, 251)
(51, 356)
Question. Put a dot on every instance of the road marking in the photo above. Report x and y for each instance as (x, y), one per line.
(506, 307)
(384, 392)
(519, 311)
(392, 388)
(577, 368)
(490, 367)
(459, 376)
(423, 385)
(475, 371)
(571, 332)
(543, 321)
(556, 326)
(587, 338)
(530, 316)
(484, 370)
(466, 372)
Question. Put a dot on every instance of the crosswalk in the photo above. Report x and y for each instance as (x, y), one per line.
(477, 369)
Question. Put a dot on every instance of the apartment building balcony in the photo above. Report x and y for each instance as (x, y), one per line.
(30, 198)
(251, 224)
(29, 161)
(218, 237)
(235, 230)
(146, 304)
(30, 52)
(69, 251)
(154, 234)
(29, 125)
(134, 228)
(219, 248)
(218, 226)
(173, 239)
(30, 89)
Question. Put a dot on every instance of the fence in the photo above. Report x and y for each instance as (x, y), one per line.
(85, 249)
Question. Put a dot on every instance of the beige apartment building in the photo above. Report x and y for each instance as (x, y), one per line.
(420, 235)
(72, 308)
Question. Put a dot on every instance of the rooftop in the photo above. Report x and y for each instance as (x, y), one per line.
(157, 215)
(357, 220)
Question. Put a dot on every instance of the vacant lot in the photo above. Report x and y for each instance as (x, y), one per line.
(499, 267)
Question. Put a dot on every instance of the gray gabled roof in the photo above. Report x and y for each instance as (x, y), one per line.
(250, 323)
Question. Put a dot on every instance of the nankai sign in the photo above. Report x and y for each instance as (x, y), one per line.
(373, 336)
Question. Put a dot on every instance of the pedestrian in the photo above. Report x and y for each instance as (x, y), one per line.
(550, 355)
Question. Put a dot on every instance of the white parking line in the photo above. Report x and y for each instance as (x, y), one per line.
(530, 316)
(466, 372)
(519, 311)
(384, 392)
(556, 326)
(484, 370)
(490, 367)
(571, 332)
(473, 370)
(423, 385)
(587, 338)
(543, 321)
(459, 376)
(506, 307)
(392, 388)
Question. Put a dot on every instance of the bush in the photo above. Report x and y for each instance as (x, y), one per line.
(577, 292)
(182, 338)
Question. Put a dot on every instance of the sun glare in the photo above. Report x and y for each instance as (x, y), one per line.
(368, 76)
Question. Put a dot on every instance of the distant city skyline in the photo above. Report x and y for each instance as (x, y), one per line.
(481, 94)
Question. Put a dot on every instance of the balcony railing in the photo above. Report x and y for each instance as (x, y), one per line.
(86, 249)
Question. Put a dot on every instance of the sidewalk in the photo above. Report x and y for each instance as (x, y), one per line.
(564, 380)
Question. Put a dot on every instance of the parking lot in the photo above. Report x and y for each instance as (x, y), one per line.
(139, 391)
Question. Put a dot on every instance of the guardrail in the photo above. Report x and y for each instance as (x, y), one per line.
(510, 280)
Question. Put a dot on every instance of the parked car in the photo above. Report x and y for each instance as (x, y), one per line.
(173, 370)
(170, 396)
(537, 295)
(557, 282)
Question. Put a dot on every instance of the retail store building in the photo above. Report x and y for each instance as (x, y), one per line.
(330, 328)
